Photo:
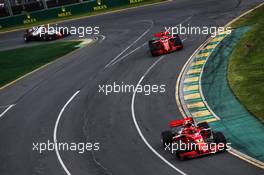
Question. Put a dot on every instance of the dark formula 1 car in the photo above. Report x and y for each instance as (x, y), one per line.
(189, 140)
(164, 43)
(42, 33)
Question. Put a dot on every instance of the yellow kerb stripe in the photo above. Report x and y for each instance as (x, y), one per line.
(203, 55)
(201, 113)
(217, 39)
(194, 71)
(191, 88)
(210, 46)
(193, 79)
(195, 105)
(197, 63)
(224, 32)
(192, 96)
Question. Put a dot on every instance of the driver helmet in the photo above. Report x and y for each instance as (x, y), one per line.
(188, 124)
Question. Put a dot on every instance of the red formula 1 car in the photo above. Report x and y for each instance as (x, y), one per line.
(164, 43)
(189, 140)
(43, 33)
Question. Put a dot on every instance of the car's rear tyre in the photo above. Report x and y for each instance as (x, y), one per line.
(166, 138)
(48, 37)
(151, 48)
(203, 125)
(45, 37)
(26, 38)
(65, 32)
(219, 138)
(179, 44)
(177, 41)
(154, 47)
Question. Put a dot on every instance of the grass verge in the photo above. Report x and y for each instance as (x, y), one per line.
(246, 65)
(18, 62)
(82, 15)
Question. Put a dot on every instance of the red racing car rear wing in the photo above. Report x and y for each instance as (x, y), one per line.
(176, 123)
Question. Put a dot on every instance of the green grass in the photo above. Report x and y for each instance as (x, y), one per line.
(18, 62)
(246, 66)
(58, 20)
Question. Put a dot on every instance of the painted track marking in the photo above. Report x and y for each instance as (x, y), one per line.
(6, 110)
(136, 123)
(55, 132)
(120, 59)
(143, 34)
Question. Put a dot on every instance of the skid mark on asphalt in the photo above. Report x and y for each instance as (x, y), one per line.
(99, 164)
(123, 57)
(143, 34)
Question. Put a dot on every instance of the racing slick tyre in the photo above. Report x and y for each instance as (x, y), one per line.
(65, 32)
(220, 139)
(203, 125)
(26, 38)
(154, 47)
(177, 41)
(46, 37)
(166, 138)
(150, 43)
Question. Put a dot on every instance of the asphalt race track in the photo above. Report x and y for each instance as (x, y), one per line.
(94, 117)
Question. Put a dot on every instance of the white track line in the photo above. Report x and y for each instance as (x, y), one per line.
(143, 34)
(116, 60)
(137, 126)
(5, 111)
(103, 38)
(120, 59)
(55, 133)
